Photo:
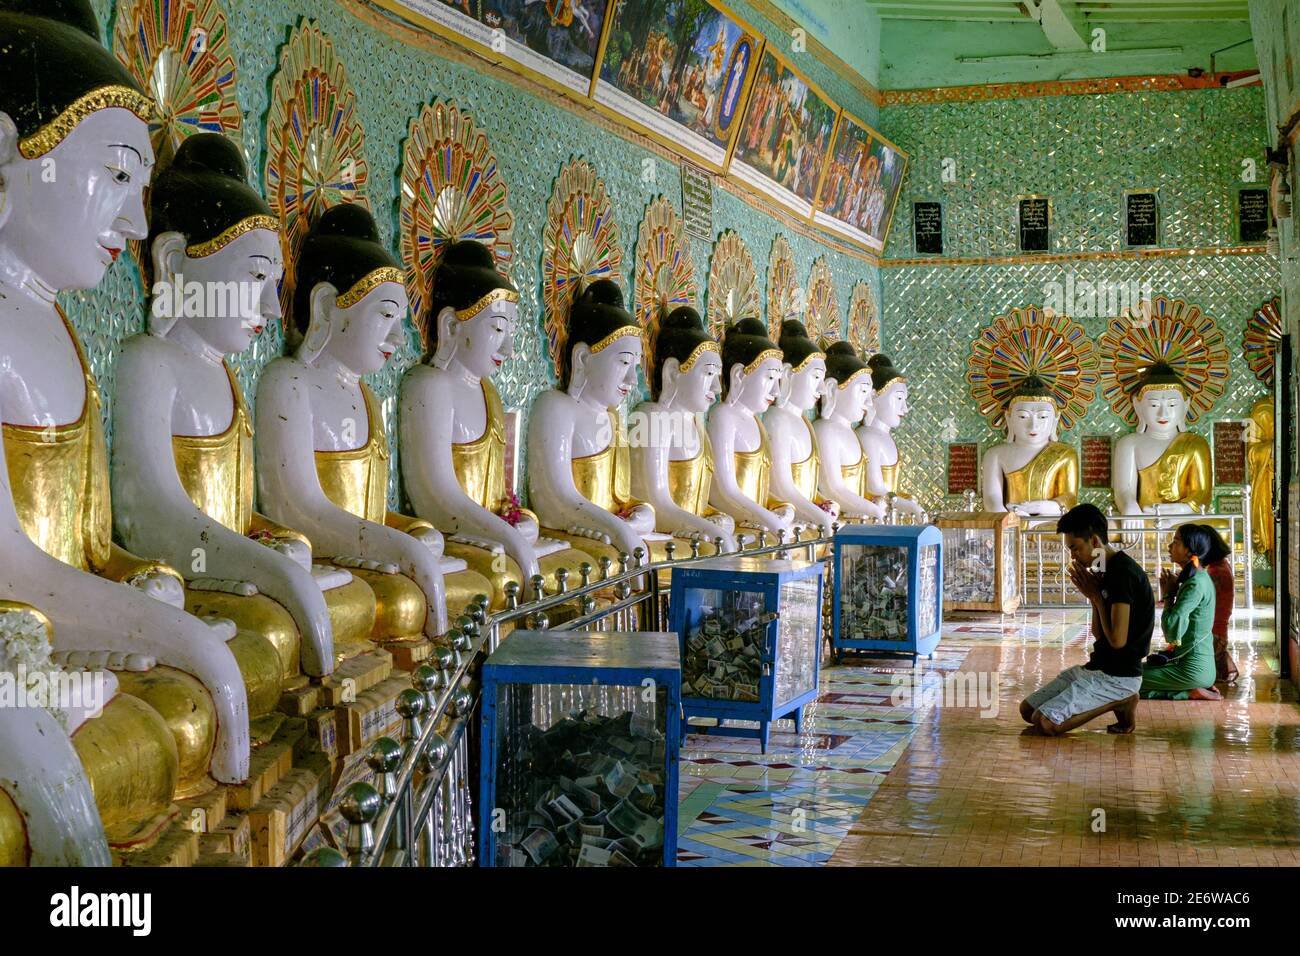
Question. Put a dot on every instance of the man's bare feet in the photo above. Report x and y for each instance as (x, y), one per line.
(1126, 716)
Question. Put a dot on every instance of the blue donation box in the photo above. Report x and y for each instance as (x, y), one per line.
(580, 736)
(750, 630)
(888, 588)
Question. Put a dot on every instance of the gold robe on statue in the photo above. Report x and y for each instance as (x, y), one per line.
(357, 481)
(1181, 475)
(1051, 475)
(689, 483)
(60, 484)
(216, 471)
(605, 479)
(130, 762)
(480, 469)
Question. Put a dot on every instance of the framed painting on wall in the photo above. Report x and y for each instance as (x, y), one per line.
(860, 184)
(786, 135)
(556, 41)
(677, 70)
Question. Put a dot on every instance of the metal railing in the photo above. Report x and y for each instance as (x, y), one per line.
(419, 811)
(1045, 562)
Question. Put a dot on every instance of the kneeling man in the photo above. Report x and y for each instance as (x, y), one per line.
(1123, 615)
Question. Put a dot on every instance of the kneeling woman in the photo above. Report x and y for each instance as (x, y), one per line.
(1186, 670)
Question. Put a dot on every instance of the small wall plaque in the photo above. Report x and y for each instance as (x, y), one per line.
(1035, 221)
(963, 467)
(1141, 218)
(1094, 464)
(1229, 453)
(697, 201)
(927, 228)
(1252, 215)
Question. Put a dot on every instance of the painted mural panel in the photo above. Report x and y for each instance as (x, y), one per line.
(557, 40)
(864, 175)
(786, 136)
(678, 69)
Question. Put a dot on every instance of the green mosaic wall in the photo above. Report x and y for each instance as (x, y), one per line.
(1082, 151)
(532, 139)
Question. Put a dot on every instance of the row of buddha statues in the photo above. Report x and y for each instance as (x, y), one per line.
(154, 569)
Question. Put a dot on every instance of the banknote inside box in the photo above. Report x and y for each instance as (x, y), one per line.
(580, 776)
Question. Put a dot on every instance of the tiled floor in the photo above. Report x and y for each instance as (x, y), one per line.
(947, 777)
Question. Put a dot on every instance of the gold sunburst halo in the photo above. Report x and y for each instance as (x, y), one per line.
(784, 300)
(665, 274)
(315, 143)
(733, 285)
(580, 245)
(1033, 341)
(864, 320)
(1260, 338)
(451, 190)
(822, 315)
(1168, 330)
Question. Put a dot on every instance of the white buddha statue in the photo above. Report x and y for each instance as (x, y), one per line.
(323, 462)
(672, 461)
(742, 455)
(66, 105)
(183, 454)
(845, 399)
(889, 406)
(795, 458)
(1031, 473)
(454, 432)
(579, 467)
(1161, 463)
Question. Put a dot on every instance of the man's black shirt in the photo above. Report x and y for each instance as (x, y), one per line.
(1124, 582)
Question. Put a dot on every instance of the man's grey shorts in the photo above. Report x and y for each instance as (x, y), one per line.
(1077, 690)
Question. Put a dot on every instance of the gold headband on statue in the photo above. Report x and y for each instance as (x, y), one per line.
(496, 295)
(58, 129)
(763, 356)
(622, 332)
(368, 284)
(860, 372)
(1021, 399)
(241, 228)
(806, 359)
(695, 355)
(1160, 387)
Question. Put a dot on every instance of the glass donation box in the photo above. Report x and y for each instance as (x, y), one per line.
(981, 561)
(580, 736)
(888, 589)
(750, 632)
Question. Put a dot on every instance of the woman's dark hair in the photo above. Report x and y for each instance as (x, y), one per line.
(1197, 540)
(743, 342)
(596, 315)
(50, 57)
(341, 249)
(1219, 549)
(203, 191)
(466, 273)
(882, 371)
(795, 345)
(1084, 521)
(680, 333)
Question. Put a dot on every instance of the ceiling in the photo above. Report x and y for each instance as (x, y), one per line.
(928, 43)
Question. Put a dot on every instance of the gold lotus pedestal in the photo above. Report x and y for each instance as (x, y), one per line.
(981, 561)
